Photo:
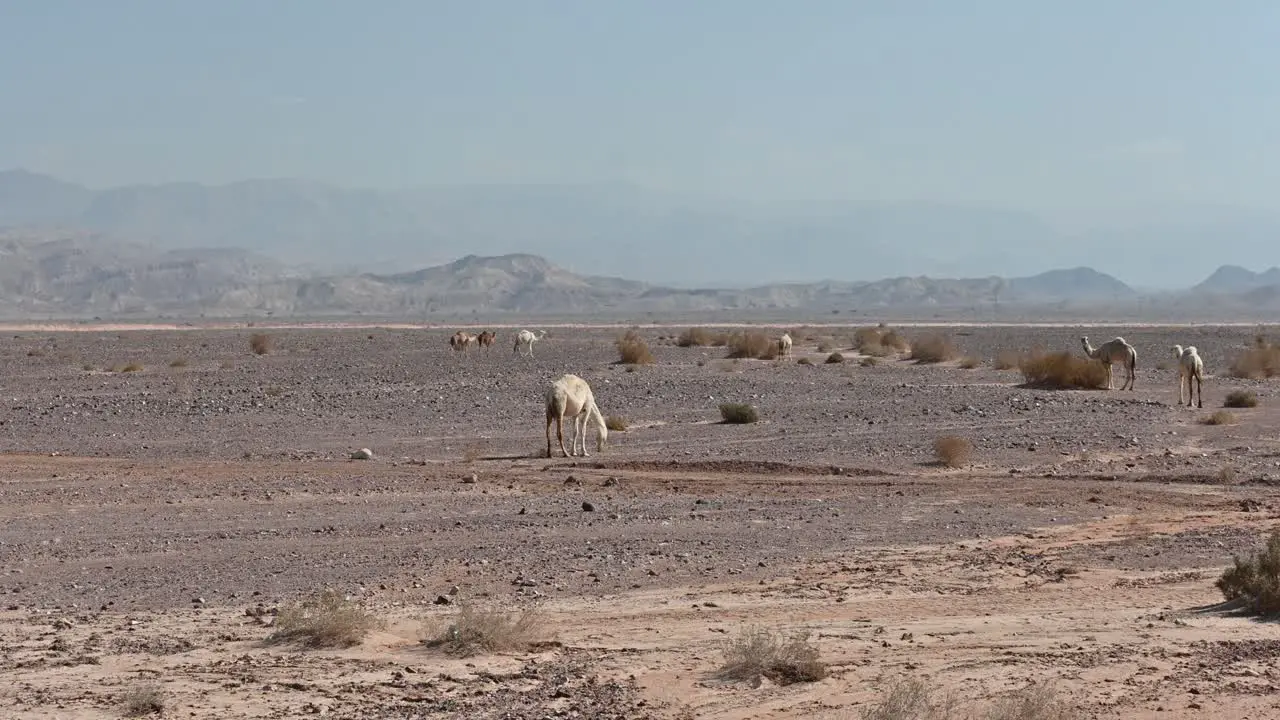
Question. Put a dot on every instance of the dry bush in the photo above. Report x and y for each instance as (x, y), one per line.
(933, 349)
(143, 700)
(1240, 399)
(274, 391)
(227, 364)
(1007, 360)
(952, 450)
(700, 337)
(327, 620)
(834, 358)
(759, 652)
(633, 350)
(1062, 371)
(1034, 702)
(1257, 363)
(804, 361)
(879, 341)
(910, 700)
(87, 367)
(970, 363)
(178, 363)
(1222, 417)
(260, 343)
(914, 700)
(738, 413)
(616, 423)
(473, 631)
(869, 362)
(131, 367)
(824, 347)
(1255, 581)
(753, 344)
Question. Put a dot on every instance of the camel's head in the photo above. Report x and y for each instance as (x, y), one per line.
(1177, 351)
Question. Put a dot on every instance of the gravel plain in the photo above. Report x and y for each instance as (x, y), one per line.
(144, 510)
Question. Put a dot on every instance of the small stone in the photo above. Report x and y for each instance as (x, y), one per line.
(362, 454)
(443, 600)
(587, 506)
(470, 479)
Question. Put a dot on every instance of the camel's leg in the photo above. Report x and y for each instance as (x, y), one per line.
(550, 419)
(582, 432)
(560, 433)
(1199, 391)
(1180, 383)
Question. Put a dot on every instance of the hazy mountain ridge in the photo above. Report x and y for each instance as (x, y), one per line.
(607, 229)
(82, 274)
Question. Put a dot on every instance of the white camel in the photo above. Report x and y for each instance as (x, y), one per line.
(571, 396)
(1117, 351)
(784, 345)
(1190, 367)
(526, 339)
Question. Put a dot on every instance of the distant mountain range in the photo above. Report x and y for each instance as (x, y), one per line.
(77, 274)
(178, 249)
(623, 230)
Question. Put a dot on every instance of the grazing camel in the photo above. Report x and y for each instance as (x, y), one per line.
(486, 338)
(526, 339)
(571, 396)
(1190, 367)
(1117, 351)
(784, 345)
(460, 341)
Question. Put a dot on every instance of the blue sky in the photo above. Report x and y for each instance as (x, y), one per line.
(1077, 110)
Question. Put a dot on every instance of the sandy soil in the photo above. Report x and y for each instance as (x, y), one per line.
(145, 517)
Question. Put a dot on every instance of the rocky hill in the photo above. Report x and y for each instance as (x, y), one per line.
(73, 273)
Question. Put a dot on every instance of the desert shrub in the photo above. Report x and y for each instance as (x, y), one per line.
(178, 363)
(913, 700)
(128, 368)
(616, 423)
(804, 361)
(1257, 363)
(753, 344)
(1240, 399)
(1255, 581)
(738, 413)
(700, 337)
(879, 341)
(327, 620)
(869, 362)
(474, 630)
(910, 700)
(274, 391)
(633, 350)
(1222, 417)
(834, 358)
(1062, 371)
(143, 700)
(759, 652)
(933, 349)
(260, 343)
(1007, 360)
(970, 363)
(952, 450)
(824, 347)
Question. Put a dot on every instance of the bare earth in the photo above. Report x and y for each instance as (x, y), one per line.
(143, 513)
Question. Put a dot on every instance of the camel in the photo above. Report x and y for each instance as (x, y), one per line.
(486, 338)
(571, 396)
(460, 341)
(784, 345)
(1117, 351)
(526, 339)
(1190, 367)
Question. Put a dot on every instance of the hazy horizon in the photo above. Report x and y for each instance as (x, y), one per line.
(1085, 116)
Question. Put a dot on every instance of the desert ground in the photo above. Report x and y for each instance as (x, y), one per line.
(163, 492)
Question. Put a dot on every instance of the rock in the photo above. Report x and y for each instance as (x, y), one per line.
(471, 479)
(443, 600)
(587, 506)
(362, 454)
